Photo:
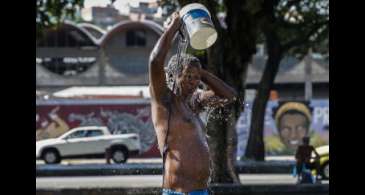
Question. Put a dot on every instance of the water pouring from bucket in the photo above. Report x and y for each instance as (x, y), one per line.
(198, 25)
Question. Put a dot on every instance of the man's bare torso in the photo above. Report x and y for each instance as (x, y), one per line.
(187, 160)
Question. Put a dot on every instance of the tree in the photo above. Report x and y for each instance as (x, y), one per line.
(289, 27)
(50, 13)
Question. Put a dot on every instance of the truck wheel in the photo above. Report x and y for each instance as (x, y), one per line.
(119, 155)
(325, 170)
(51, 156)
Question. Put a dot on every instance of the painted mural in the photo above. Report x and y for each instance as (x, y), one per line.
(286, 123)
(55, 120)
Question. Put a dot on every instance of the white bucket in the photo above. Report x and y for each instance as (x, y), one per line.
(199, 25)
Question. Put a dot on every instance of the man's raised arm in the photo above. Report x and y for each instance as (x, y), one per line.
(219, 94)
(157, 78)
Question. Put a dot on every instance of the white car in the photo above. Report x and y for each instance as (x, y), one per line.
(88, 142)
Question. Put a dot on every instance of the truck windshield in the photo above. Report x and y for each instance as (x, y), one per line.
(94, 133)
(77, 134)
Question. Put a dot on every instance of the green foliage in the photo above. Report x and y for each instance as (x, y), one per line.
(49, 13)
(169, 5)
(303, 24)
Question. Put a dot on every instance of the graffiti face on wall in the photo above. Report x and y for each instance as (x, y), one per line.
(292, 121)
(286, 123)
(292, 128)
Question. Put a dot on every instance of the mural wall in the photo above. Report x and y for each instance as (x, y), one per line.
(54, 120)
(286, 123)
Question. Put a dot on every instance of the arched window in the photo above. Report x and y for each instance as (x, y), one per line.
(66, 66)
(136, 38)
(66, 50)
(64, 36)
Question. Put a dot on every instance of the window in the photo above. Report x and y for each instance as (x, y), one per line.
(136, 38)
(67, 66)
(77, 134)
(94, 133)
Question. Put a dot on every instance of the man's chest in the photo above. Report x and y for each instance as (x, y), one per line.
(178, 116)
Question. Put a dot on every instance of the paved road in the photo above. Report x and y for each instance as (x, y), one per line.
(146, 181)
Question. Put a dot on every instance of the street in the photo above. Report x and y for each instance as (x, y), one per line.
(147, 181)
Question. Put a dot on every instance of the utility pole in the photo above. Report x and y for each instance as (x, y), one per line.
(102, 64)
(308, 75)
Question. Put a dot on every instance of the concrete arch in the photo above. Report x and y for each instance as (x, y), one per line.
(126, 25)
(69, 51)
(130, 61)
(66, 26)
(94, 30)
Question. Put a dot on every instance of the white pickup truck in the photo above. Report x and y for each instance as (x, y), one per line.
(88, 142)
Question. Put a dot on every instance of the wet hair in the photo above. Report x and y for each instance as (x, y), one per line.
(174, 69)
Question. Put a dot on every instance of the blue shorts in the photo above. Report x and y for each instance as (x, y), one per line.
(195, 192)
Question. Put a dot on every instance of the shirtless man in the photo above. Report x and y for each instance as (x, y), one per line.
(187, 166)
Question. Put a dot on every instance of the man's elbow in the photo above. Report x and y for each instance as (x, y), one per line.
(233, 96)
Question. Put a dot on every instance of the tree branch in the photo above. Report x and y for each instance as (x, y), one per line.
(292, 2)
(301, 39)
(282, 23)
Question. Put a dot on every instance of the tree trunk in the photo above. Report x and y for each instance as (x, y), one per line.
(255, 146)
(220, 143)
(222, 138)
(228, 59)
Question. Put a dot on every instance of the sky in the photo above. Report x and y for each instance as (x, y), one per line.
(121, 5)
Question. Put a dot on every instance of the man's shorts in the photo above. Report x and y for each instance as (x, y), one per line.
(195, 192)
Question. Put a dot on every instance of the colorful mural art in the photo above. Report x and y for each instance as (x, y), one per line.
(54, 118)
(286, 123)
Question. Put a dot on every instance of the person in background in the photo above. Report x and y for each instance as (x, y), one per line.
(303, 156)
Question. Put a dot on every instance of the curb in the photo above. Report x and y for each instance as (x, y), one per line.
(151, 169)
(215, 189)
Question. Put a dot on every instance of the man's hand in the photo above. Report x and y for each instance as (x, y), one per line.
(220, 92)
(175, 21)
(211, 100)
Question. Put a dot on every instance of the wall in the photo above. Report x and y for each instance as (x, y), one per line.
(274, 143)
